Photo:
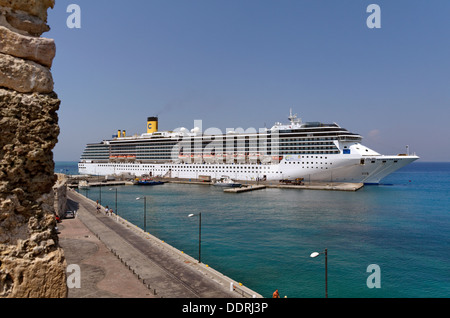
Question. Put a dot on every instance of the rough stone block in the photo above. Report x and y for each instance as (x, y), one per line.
(23, 21)
(24, 76)
(34, 7)
(40, 50)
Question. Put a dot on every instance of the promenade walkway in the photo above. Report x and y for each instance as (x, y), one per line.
(103, 275)
(117, 259)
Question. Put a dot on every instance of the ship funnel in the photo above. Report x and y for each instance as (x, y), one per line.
(152, 125)
(118, 134)
(123, 133)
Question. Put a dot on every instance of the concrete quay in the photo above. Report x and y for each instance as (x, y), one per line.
(103, 275)
(248, 185)
(321, 186)
(118, 259)
(256, 185)
(103, 184)
(335, 186)
(244, 188)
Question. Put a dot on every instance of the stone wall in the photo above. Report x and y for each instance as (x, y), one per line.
(31, 262)
(60, 194)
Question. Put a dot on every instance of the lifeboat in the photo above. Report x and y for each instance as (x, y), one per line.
(209, 158)
(253, 157)
(240, 158)
(198, 158)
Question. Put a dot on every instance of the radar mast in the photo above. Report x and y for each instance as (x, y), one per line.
(293, 118)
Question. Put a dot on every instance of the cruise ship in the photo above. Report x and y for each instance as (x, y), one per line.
(313, 151)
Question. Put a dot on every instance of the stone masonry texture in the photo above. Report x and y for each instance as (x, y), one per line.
(32, 264)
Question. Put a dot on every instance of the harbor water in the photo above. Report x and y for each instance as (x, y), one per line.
(264, 238)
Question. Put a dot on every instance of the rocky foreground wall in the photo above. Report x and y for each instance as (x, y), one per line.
(31, 262)
(60, 195)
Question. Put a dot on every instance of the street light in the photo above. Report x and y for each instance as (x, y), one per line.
(199, 235)
(100, 191)
(315, 254)
(145, 212)
(115, 208)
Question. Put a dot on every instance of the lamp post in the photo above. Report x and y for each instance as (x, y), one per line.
(100, 191)
(115, 207)
(145, 212)
(315, 254)
(199, 235)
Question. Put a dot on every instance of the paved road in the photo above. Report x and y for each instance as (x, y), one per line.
(162, 269)
(103, 275)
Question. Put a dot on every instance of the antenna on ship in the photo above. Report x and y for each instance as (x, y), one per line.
(293, 118)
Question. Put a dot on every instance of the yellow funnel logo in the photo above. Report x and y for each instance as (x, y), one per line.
(152, 125)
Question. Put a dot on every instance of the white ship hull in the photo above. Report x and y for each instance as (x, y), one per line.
(313, 151)
(335, 168)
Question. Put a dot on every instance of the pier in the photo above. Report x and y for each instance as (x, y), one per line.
(315, 186)
(84, 181)
(162, 269)
(250, 185)
(247, 185)
(104, 184)
(257, 185)
(329, 186)
(244, 188)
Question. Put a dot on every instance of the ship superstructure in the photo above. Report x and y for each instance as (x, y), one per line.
(312, 150)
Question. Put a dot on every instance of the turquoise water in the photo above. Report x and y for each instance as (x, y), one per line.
(264, 238)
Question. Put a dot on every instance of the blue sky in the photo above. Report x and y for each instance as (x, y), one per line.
(245, 63)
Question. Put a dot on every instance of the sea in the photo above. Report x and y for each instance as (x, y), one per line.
(384, 241)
